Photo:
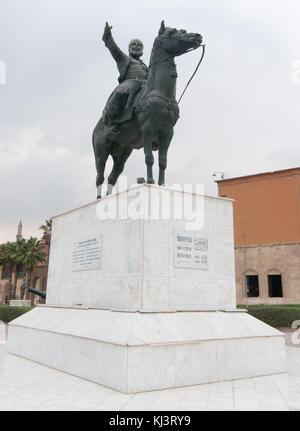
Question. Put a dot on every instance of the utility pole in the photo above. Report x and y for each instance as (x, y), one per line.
(245, 270)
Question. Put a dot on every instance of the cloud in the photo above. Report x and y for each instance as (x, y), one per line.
(240, 114)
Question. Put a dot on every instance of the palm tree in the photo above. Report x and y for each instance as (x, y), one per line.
(47, 228)
(33, 253)
(8, 260)
(20, 245)
(3, 259)
(2, 255)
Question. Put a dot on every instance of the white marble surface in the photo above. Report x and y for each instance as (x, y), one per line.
(29, 386)
(2, 352)
(135, 352)
(138, 267)
(137, 324)
(2, 344)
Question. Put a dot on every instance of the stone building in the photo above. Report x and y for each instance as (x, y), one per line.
(38, 278)
(267, 236)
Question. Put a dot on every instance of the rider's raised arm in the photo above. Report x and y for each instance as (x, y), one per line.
(115, 51)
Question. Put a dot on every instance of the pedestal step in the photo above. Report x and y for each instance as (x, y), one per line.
(136, 352)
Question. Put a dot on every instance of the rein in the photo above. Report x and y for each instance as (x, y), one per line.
(198, 65)
(173, 64)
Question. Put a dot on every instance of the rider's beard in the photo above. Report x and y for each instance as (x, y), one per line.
(136, 53)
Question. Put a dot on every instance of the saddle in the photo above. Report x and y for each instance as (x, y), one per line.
(134, 99)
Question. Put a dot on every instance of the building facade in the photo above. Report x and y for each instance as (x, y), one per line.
(267, 236)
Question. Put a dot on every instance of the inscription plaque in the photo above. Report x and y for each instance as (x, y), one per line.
(191, 250)
(87, 252)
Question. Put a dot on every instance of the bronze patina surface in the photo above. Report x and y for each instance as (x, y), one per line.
(142, 110)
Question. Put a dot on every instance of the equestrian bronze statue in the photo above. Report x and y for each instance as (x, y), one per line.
(142, 110)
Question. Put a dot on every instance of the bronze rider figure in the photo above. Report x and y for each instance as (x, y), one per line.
(133, 75)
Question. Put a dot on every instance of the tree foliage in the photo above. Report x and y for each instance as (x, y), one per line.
(28, 252)
(46, 228)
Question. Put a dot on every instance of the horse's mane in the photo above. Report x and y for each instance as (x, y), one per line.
(154, 56)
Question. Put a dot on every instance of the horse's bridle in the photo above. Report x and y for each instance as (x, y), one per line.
(172, 56)
(173, 64)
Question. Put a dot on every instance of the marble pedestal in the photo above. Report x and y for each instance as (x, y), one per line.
(141, 296)
(2, 344)
(2, 353)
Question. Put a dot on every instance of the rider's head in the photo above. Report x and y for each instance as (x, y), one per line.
(136, 48)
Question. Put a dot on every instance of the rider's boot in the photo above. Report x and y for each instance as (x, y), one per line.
(112, 129)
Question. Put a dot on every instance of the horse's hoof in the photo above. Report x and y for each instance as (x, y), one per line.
(161, 184)
(99, 191)
(150, 182)
(110, 188)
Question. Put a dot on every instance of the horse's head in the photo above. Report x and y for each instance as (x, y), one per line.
(177, 42)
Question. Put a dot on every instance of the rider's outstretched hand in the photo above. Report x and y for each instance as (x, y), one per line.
(107, 32)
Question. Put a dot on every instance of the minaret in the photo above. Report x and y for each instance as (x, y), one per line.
(19, 234)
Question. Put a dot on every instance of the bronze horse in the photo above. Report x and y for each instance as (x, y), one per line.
(155, 112)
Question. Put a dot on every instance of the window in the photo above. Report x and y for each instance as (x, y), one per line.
(5, 274)
(275, 286)
(252, 286)
(20, 270)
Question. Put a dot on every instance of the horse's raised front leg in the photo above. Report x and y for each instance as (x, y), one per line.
(119, 162)
(164, 143)
(147, 131)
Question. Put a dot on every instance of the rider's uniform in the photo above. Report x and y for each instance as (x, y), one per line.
(133, 73)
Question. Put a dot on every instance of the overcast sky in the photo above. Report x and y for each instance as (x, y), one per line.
(239, 116)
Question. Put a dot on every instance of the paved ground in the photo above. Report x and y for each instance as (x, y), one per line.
(25, 385)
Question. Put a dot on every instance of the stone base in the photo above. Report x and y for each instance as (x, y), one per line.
(2, 344)
(139, 259)
(2, 353)
(136, 352)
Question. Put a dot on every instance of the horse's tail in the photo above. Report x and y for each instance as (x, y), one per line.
(93, 140)
(98, 127)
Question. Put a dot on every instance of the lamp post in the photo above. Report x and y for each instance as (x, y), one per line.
(222, 174)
